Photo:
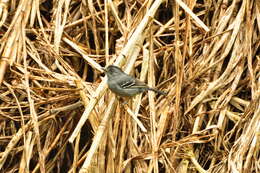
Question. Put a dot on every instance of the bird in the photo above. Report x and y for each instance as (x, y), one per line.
(125, 85)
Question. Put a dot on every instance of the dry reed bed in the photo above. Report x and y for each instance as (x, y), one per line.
(57, 114)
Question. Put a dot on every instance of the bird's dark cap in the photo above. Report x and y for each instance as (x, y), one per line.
(110, 67)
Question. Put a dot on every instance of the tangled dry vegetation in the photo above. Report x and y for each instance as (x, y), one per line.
(57, 115)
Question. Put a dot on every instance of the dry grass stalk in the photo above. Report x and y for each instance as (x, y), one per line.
(57, 115)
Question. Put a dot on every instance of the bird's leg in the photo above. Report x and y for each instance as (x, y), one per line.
(124, 101)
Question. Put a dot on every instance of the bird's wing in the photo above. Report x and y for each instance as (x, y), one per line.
(133, 83)
(127, 83)
(139, 83)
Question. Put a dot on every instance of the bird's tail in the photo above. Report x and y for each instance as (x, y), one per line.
(158, 91)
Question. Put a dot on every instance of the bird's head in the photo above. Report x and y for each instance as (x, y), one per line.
(112, 71)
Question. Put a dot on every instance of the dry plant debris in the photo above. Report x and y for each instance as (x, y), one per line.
(57, 115)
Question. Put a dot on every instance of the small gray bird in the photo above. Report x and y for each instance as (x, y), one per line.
(124, 85)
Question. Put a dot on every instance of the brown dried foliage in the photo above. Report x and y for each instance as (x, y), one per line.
(57, 115)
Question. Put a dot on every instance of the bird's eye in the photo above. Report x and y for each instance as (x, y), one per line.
(111, 70)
